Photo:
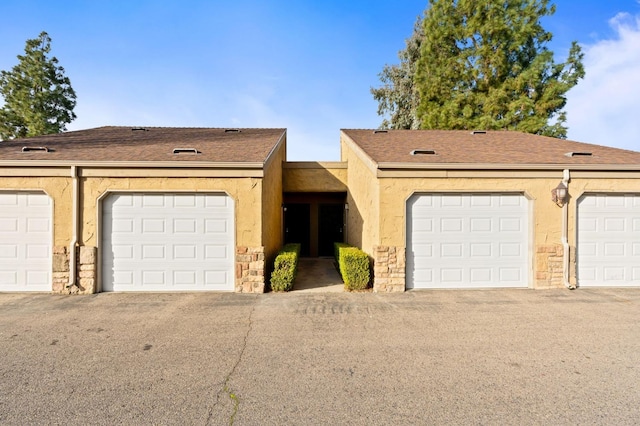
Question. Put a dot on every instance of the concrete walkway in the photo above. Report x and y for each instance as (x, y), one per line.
(317, 275)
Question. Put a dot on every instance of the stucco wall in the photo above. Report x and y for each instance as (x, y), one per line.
(272, 206)
(315, 177)
(363, 220)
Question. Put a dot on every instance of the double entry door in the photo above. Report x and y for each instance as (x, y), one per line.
(315, 225)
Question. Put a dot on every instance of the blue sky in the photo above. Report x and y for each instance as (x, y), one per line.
(306, 66)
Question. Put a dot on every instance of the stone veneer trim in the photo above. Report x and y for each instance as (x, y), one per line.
(250, 269)
(549, 266)
(389, 269)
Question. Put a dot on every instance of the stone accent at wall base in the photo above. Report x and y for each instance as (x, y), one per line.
(250, 269)
(85, 270)
(60, 269)
(388, 269)
(548, 271)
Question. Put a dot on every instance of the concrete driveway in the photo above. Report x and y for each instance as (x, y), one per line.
(432, 357)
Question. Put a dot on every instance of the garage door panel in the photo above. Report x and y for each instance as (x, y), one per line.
(481, 201)
(38, 251)
(481, 250)
(481, 224)
(9, 225)
(510, 249)
(451, 225)
(9, 280)
(607, 241)
(216, 252)
(481, 275)
(216, 278)
(476, 240)
(216, 226)
(168, 242)
(615, 224)
(153, 226)
(185, 226)
(510, 275)
(25, 241)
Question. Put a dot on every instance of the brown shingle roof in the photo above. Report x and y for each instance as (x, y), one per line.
(152, 144)
(490, 148)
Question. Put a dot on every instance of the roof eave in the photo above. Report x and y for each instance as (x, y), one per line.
(133, 164)
(508, 166)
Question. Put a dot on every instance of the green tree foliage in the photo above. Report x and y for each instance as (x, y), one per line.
(484, 64)
(398, 97)
(38, 97)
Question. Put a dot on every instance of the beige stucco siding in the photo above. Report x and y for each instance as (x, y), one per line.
(59, 190)
(272, 204)
(363, 198)
(315, 177)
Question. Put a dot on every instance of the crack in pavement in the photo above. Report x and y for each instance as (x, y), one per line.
(225, 389)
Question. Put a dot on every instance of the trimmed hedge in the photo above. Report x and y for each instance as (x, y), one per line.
(285, 268)
(354, 266)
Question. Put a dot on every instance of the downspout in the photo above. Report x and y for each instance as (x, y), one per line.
(565, 232)
(74, 227)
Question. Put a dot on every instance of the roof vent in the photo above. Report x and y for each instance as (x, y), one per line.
(139, 129)
(232, 130)
(423, 152)
(479, 132)
(185, 151)
(380, 131)
(578, 154)
(35, 148)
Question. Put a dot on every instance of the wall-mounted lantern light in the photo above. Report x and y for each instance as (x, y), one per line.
(559, 194)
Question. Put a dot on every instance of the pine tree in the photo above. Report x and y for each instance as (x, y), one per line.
(38, 97)
(484, 64)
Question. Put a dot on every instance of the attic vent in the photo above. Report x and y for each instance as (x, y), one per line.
(139, 129)
(185, 151)
(35, 148)
(232, 130)
(423, 152)
(578, 154)
(380, 131)
(479, 132)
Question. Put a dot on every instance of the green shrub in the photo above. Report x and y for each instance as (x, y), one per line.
(285, 268)
(336, 252)
(354, 267)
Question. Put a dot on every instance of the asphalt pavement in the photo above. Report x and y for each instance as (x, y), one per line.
(420, 357)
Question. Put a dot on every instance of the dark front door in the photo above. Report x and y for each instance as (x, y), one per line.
(297, 226)
(330, 227)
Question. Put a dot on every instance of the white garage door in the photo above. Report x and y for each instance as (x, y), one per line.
(608, 240)
(25, 241)
(168, 242)
(467, 241)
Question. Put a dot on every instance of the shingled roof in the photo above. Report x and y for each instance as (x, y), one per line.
(150, 144)
(491, 148)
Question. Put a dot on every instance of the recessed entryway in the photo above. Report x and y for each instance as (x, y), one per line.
(315, 221)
